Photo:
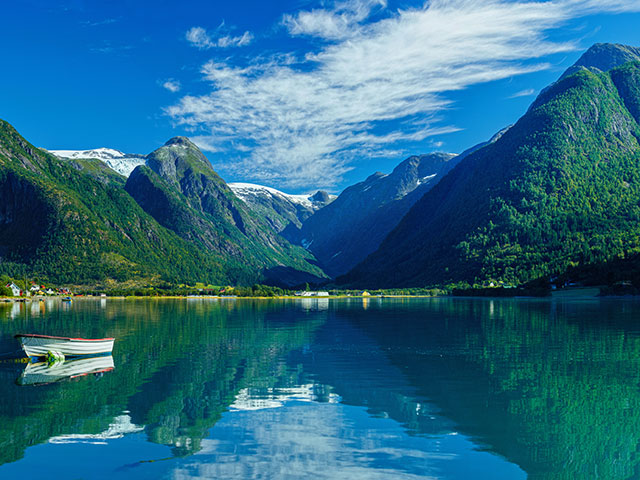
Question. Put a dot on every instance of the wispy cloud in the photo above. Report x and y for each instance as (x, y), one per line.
(523, 93)
(340, 22)
(172, 85)
(201, 39)
(365, 92)
(109, 47)
(106, 21)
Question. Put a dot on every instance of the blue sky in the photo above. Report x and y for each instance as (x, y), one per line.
(291, 94)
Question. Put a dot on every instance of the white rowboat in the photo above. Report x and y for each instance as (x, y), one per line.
(39, 345)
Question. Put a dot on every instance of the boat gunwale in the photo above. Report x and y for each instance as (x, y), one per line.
(35, 335)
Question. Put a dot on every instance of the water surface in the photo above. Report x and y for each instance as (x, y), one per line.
(375, 388)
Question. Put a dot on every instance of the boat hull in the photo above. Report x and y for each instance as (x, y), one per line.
(39, 345)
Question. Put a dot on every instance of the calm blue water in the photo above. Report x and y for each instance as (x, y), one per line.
(381, 388)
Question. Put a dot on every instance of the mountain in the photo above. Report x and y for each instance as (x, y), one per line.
(280, 209)
(344, 232)
(123, 163)
(603, 57)
(559, 189)
(79, 225)
(179, 188)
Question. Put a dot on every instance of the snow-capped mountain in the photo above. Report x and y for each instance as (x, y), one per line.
(312, 200)
(101, 153)
(123, 163)
(279, 208)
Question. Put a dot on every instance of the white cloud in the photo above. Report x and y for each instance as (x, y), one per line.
(241, 41)
(172, 85)
(201, 39)
(341, 22)
(304, 124)
(204, 142)
(523, 93)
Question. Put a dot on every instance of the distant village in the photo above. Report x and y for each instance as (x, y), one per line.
(36, 290)
(302, 293)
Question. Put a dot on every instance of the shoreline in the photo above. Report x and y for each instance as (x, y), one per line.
(569, 294)
(210, 297)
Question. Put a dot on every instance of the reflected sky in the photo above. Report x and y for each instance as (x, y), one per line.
(324, 440)
(296, 439)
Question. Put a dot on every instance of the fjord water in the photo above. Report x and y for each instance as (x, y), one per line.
(445, 388)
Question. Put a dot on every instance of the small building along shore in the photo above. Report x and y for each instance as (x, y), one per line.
(302, 293)
(36, 290)
(15, 290)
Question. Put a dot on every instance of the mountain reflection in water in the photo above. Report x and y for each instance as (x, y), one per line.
(412, 388)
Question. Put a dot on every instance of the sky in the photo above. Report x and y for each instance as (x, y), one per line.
(293, 94)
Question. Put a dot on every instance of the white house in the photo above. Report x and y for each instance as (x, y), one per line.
(14, 289)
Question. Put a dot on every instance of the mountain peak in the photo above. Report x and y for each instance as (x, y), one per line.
(179, 140)
(604, 57)
(375, 176)
(321, 197)
(429, 161)
(177, 156)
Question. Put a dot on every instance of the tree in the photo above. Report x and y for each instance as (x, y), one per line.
(5, 291)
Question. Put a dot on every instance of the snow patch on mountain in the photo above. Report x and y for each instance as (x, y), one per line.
(247, 190)
(426, 179)
(100, 153)
(123, 163)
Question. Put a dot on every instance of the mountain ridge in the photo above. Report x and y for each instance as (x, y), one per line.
(602, 57)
